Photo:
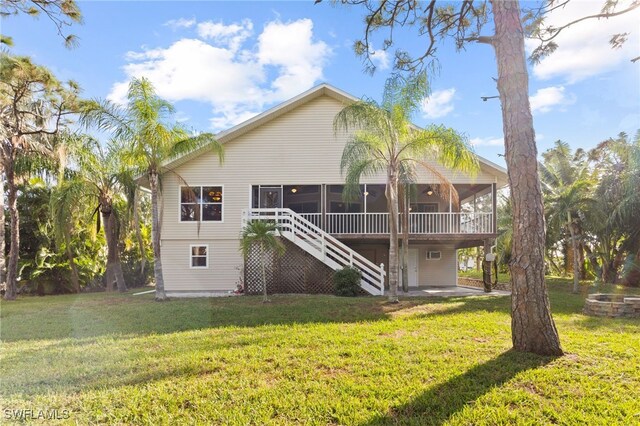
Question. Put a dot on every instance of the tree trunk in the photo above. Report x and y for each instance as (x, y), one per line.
(109, 219)
(581, 253)
(155, 237)
(486, 267)
(533, 329)
(569, 255)
(574, 249)
(75, 276)
(392, 207)
(136, 224)
(618, 261)
(14, 250)
(3, 275)
(405, 238)
(606, 266)
(109, 277)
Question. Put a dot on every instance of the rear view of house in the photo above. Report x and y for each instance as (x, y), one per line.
(284, 165)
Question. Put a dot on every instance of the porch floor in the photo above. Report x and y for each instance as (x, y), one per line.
(452, 291)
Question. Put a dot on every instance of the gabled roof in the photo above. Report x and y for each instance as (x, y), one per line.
(323, 89)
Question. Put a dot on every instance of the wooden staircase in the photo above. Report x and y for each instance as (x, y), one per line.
(321, 245)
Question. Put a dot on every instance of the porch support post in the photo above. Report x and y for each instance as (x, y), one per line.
(365, 195)
(323, 207)
(450, 212)
(494, 209)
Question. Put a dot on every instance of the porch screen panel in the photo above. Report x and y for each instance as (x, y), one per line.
(345, 216)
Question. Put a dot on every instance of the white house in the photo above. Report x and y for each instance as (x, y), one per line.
(287, 161)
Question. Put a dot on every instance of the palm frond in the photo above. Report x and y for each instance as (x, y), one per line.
(405, 92)
(261, 232)
(363, 115)
(448, 147)
(193, 143)
(66, 202)
(107, 116)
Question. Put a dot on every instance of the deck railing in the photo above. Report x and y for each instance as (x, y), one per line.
(315, 218)
(419, 223)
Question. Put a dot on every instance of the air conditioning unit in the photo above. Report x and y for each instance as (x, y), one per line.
(434, 255)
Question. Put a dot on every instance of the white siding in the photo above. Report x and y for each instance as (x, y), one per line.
(437, 273)
(298, 147)
(224, 269)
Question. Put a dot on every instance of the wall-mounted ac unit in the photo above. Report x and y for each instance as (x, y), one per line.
(434, 255)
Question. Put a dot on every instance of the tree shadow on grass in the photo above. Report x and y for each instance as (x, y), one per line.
(441, 402)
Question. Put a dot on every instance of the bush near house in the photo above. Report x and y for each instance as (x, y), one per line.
(346, 282)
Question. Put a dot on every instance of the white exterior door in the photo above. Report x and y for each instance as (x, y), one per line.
(413, 267)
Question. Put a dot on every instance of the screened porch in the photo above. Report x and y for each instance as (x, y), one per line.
(365, 213)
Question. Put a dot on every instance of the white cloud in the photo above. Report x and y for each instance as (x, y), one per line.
(545, 99)
(490, 141)
(289, 47)
(380, 59)
(176, 24)
(236, 77)
(439, 103)
(584, 48)
(231, 36)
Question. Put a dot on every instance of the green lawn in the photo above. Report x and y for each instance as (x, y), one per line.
(125, 359)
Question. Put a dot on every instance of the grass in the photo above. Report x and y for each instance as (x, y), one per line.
(123, 359)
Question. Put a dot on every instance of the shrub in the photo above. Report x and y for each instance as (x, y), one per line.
(346, 282)
(131, 269)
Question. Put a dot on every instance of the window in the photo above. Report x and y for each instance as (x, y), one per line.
(434, 255)
(199, 256)
(202, 203)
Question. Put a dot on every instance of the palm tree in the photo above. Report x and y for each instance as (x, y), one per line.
(33, 108)
(385, 141)
(98, 181)
(614, 219)
(263, 234)
(566, 180)
(151, 141)
(404, 196)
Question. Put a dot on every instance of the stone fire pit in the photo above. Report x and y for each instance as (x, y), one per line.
(612, 305)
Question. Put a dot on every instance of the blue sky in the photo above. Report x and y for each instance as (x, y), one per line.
(221, 62)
